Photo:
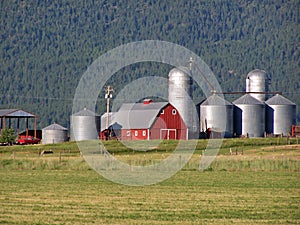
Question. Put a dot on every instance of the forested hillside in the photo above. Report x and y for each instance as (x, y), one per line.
(46, 46)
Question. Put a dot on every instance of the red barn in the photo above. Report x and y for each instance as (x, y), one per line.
(147, 121)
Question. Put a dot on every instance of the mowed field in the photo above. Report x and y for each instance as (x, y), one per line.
(259, 183)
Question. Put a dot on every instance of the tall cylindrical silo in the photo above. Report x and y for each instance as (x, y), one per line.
(217, 114)
(280, 115)
(54, 133)
(85, 125)
(180, 97)
(249, 116)
(257, 82)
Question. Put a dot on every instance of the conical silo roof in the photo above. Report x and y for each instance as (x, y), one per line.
(55, 126)
(247, 100)
(215, 100)
(279, 100)
(85, 112)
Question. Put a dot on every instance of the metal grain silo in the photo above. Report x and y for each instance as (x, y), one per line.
(54, 133)
(180, 97)
(216, 114)
(280, 115)
(249, 116)
(85, 125)
(257, 82)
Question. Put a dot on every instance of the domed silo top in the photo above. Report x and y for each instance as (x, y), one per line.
(85, 112)
(215, 100)
(55, 126)
(180, 69)
(279, 100)
(247, 100)
(257, 73)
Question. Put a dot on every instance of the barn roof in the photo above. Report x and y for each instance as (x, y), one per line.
(15, 113)
(137, 115)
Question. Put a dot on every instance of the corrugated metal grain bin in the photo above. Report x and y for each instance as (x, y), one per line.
(217, 114)
(249, 116)
(280, 115)
(257, 82)
(85, 125)
(54, 133)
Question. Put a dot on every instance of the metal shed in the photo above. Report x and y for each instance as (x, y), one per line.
(54, 133)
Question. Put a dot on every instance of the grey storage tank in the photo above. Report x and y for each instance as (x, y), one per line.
(280, 115)
(180, 97)
(85, 125)
(249, 116)
(54, 133)
(257, 82)
(216, 114)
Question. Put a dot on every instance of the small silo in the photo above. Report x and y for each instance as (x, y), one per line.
(257, 82)
(54, 133)
(180, 97)
(85, 125)
(216, 114)
(280, 115)
(249, 116)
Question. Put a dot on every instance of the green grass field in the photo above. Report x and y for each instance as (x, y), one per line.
(258, 185)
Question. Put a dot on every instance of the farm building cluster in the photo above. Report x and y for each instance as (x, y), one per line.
(248, 116)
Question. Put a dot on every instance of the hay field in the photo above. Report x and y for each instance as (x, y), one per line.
(258, 185)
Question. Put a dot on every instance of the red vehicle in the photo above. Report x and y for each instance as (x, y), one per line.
(24, 140)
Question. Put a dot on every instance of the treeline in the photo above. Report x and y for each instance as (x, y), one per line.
(46, 46)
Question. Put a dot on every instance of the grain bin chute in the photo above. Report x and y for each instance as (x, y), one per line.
(281, 115)
(54, 133)
(216, 114)
(85, 125)
(249, 116)
(180, 97)
(257, 82)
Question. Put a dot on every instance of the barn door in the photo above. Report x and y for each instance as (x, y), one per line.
(168, 134)
(172, 134)
(163, 134)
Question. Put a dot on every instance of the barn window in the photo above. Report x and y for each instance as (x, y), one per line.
(162, 111)
(144, 133)
(174, 112)
(128, 133)
(136, 133)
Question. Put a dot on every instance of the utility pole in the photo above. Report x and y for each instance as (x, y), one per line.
(108, 96)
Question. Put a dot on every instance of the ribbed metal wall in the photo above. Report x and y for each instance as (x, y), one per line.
(180, 97)
(217, 114)
(257, 82)
(249, 116)
(280, 115)
(85, 125)
(54, 134)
